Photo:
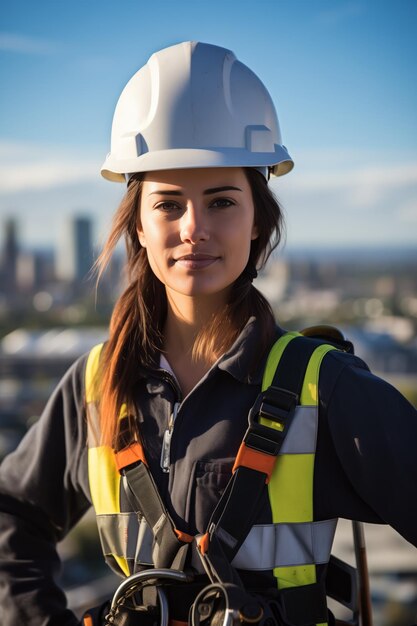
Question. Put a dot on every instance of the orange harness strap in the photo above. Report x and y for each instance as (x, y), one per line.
(254, 459)
(129, 455)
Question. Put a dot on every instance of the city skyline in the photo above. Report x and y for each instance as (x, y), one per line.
(52, 245)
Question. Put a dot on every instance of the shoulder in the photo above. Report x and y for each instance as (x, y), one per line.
(69, 395)
(345, 378)
(337, 364)
(354, 399)
(73, 381)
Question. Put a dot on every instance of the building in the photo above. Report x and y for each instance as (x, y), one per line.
(75, 254)
(10, 257)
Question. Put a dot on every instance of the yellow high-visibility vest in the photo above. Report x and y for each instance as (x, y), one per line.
(293, 545)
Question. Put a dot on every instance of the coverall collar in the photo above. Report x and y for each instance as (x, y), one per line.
(243, 360)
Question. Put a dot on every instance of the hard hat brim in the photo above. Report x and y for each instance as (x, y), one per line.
(115, 170)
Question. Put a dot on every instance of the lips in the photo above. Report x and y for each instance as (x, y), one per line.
(196, 261)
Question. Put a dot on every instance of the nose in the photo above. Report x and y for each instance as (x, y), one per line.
(194, 226)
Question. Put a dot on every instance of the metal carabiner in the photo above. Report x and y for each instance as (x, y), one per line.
(136, 582)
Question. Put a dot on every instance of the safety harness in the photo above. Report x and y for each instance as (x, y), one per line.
(277, 454)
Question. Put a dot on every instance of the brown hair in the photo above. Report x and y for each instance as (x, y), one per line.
(136, 327)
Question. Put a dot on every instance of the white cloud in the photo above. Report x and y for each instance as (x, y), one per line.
(364, 186)
(351, 198)
(45, 175)
(384, 176)
(26, 167)
(12, 42)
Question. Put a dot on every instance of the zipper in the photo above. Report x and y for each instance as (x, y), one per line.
(166, 441)
(165, 460)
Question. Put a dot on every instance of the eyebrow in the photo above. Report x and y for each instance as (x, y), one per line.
(206, 192)
(163, 192)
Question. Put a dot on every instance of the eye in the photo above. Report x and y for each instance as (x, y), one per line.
(222, 203)
(167, 206)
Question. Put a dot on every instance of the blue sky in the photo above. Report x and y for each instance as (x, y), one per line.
(342, 74)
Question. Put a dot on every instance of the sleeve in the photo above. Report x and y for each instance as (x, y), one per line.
(369, 435)
(43, 493)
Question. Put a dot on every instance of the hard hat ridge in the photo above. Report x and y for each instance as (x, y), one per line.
(194, 105)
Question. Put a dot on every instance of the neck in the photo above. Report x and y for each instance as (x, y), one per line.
(186, 317)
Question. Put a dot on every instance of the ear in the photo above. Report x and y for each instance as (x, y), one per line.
(141, 237)
(255, 232)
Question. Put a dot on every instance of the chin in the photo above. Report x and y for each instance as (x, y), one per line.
(199, 290)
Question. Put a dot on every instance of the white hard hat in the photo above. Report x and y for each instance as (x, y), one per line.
(194, 105)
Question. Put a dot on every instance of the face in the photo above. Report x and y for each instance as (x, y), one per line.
(197, 226)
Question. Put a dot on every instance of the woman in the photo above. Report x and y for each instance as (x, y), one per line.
(195, 135)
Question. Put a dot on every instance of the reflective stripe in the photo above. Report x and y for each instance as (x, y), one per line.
(302, 434)
(93, 425)
(123, 535)
(144, 544)
(268, 546)
(116, 532)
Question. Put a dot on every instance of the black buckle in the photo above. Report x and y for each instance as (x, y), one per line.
(277, 405)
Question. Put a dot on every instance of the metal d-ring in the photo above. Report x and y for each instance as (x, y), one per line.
(137, 581)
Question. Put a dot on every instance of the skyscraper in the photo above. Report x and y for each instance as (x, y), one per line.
(10, 255)
(75, 255)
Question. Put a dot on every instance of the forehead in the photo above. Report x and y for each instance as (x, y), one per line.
(196, 179)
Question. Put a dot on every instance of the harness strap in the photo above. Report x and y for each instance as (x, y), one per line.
(292, 366)
(170, 545)
(304, 606)
(231, 521)
(269, 422)
(217, 566)
(130, 455)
